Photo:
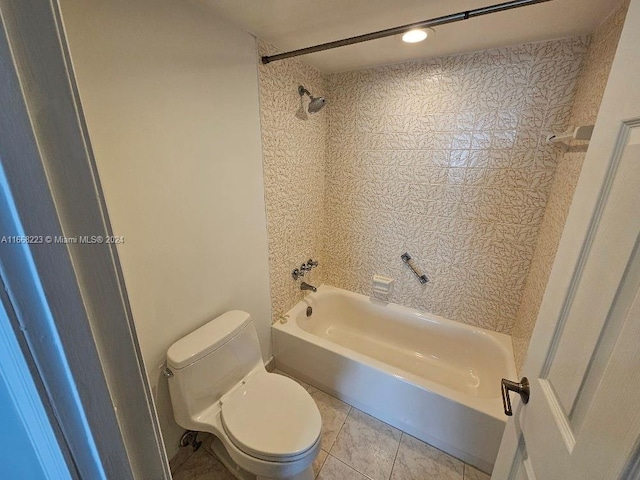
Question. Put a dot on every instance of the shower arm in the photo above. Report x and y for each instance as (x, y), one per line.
(302, 91)
(433, 22)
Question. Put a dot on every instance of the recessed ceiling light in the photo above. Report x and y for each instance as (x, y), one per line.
(417, 35)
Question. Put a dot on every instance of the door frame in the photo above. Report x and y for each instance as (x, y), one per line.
(72, 314)
(617, 115)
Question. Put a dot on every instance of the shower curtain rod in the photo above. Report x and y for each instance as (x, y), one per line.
(433, 22)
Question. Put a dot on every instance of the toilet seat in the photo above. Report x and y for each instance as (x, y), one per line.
(271, 417)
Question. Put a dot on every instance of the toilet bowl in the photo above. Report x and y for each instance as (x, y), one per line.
(266, 426)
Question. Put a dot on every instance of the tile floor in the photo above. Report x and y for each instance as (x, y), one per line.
(355, 446)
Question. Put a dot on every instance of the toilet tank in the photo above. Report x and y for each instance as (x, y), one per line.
(209, 362)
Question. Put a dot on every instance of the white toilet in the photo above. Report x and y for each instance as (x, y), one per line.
(266, 426)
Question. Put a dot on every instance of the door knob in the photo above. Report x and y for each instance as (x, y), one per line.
(522, 388)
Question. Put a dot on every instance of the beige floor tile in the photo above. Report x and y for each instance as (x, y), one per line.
(472, 473)
(418, 461)
(333, 413)
(367, 444)
(202, 466)
(334, 469)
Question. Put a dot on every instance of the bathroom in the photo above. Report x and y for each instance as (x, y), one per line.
(221, 183)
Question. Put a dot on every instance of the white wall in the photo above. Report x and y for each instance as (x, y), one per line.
(170, 96)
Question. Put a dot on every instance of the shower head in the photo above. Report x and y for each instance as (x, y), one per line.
(316, 104)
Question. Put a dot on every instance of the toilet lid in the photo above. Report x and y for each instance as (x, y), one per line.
(271, 417)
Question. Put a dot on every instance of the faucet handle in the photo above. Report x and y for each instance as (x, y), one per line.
(305, 267)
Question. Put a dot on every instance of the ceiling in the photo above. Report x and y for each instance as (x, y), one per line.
(293, 24)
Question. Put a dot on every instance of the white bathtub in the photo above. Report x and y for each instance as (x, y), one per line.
(436, 379)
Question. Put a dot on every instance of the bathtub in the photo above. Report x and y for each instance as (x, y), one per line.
(434, 378)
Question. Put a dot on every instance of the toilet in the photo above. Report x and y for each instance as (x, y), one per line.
(266, 426)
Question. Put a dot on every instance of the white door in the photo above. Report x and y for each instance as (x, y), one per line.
(583, 417)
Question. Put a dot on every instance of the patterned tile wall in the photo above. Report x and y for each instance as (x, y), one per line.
(446, 158)
(585, 109)
(294, 173)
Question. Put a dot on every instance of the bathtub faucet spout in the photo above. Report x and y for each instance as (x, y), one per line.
(306, 286)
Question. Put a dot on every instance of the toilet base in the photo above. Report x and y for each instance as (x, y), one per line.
(240, 473)
(306, 475)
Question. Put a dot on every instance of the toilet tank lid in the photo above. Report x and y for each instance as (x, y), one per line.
(206, 339)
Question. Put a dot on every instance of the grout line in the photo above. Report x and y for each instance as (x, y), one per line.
(344, 463)
(322, 466)
(396, 455)
(341, 427)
